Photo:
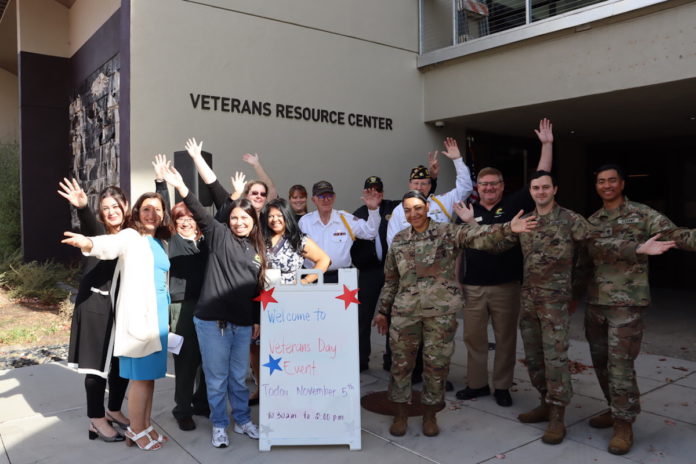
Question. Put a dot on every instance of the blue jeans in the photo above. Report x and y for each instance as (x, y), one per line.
(225, 359)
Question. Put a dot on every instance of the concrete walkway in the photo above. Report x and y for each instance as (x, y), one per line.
(42, 419)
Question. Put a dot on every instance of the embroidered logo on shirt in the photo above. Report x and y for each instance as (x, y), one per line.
(499, 212)
(339, 233)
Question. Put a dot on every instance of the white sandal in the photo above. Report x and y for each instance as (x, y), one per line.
(132, 437)
(160, 438)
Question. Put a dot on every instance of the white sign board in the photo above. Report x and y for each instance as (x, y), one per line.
(310, 379)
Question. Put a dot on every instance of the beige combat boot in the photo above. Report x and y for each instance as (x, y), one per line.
(602, 420)
(398, 427)
(556, 431)
(430, 428)
(538, 414)
(622, 440)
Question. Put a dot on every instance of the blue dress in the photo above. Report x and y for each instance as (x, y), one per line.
(153, 366)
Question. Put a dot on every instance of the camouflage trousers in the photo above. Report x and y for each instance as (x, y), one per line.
(615, 334)
(405, 334)
(544, 321)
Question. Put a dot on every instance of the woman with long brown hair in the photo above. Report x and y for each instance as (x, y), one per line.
(91, 332)
(226, 317)
(141, 308)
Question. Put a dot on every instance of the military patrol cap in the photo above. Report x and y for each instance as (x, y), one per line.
(375, 183)
(321, 187)
(419, 172)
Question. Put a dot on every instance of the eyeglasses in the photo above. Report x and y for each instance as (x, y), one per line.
(185, 220)
(326, 196)
(261, 194)
(491, 184)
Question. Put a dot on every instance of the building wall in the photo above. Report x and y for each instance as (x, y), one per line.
(355, 58)
(52, 63)
(86, 17)
(9, 102)
(638, 49)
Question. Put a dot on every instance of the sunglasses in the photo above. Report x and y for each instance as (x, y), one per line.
(255, 192)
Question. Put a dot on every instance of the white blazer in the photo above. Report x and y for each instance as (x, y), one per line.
(136, 325)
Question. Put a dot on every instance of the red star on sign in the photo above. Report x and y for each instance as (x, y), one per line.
(348, 296)
(266, 297)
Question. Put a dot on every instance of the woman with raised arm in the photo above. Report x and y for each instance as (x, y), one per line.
(188, 253)
(142, 306)
(91, 332)
(226, 317)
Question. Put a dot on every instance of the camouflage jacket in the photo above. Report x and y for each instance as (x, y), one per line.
(621, 279)
(549, 251)
(419, 269)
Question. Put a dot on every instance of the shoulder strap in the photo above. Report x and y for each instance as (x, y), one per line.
(442, 207)
(345, 223)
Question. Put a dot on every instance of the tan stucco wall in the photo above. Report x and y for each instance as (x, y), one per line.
(42, 27)
(621, 53)
(9, 104)
(86, 16)
(391, 22)
(207, 50)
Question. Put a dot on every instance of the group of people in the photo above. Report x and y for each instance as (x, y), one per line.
(153, 270)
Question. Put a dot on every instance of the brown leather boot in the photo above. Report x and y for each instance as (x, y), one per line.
(430, 428)
(622, 440)
(398, 427)
(538, 414)
(602, 420)
(556, 431)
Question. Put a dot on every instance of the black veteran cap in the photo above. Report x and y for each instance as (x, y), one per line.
(419, 172)
(374, 182)
(322, 186)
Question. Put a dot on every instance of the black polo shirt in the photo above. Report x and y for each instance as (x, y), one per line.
(483, 268)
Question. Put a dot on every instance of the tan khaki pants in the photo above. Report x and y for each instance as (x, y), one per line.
(500, 304)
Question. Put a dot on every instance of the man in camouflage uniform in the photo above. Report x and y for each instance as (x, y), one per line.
(617, 297)
(422, 296)
(548, 254)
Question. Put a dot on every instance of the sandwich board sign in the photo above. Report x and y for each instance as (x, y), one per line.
(310, 379)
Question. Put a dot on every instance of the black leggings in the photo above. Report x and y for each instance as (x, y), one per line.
(95, 386)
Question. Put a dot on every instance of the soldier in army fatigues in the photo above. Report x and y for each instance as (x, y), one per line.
(617, 297)
(422, 296)
(548, 254)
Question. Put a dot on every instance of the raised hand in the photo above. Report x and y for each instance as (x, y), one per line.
(251, 159)
(161, 165)
(193, 148)
(451, 149)
(71, 191)
(465, 212)
(372, 198)
(173, 177)
(78, 241)
(433, 164)
(520, 225)
(545, 131)
(655, 247)
(238, 182)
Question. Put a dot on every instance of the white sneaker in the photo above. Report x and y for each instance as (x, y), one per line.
(249, 428)
(220, 438)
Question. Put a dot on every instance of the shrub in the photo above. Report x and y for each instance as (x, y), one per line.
(34, 280)
(10, 231)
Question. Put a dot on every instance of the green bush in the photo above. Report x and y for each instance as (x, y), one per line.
(34, 280)
(10, 231)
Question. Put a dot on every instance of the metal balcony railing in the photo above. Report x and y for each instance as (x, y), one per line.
(447, 23)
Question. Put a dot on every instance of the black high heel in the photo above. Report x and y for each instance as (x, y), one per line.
(122, 425)
(94, 433)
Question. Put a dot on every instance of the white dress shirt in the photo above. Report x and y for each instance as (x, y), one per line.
(334, 238)
(463, 188)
